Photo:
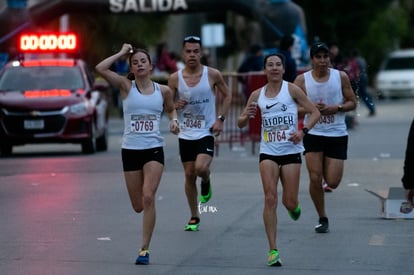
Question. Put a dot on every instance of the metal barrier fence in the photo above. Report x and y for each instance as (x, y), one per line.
(241, 85)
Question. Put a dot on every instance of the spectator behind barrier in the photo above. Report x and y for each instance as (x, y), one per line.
(286, 45)
(253, 62)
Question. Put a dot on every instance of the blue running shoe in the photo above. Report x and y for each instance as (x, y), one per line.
(143, 257)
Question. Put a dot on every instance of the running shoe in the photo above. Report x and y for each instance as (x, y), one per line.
(274, 258)
(143, 257)
(206, 191)
(323, 226)
(326, 187)
(406, 207)
(193, 224)
(295, 214)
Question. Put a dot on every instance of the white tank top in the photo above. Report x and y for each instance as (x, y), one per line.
(330, 93)
(279, 120)
(142, 116)
(199, 115)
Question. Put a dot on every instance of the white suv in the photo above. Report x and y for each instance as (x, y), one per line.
(396, 75)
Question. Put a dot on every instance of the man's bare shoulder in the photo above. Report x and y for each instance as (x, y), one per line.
(173, 79)
(213, 71)
(299, 80)
(215, 74)
(343, 74)
(174, 75)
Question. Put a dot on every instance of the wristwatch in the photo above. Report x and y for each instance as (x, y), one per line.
(340, 108)
(305, 130)
(222, 118)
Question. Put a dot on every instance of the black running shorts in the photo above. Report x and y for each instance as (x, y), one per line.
(189, 149)
(282, 160)
(332, 147)
(134, 160)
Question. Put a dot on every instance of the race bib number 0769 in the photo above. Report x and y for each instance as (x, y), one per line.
(144, 123)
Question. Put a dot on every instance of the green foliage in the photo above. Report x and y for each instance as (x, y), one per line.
(101, 36)
(340, 21)
(384, 34)
(373, 26)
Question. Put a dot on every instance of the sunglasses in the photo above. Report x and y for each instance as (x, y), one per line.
(192, 38)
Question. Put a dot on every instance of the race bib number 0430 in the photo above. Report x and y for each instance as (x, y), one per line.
(327, 119)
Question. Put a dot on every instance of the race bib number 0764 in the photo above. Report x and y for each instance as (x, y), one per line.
(275, 136)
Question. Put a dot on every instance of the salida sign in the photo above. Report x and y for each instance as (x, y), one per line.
(42, 11)
(122, 6)
(47, 9)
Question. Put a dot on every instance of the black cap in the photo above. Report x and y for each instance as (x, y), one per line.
(318, 47)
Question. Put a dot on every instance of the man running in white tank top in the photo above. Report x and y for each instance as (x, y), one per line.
(326, 145)
(194, 89)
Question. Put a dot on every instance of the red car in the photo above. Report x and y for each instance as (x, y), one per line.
(51, 101)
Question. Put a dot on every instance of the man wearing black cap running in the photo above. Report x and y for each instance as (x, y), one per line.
(326, 144)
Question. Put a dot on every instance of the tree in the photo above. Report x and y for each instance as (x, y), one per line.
(103, 35)
(373, 26)
(387, 30)
(341, 21)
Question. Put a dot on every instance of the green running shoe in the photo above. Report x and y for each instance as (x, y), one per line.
(274, 259)
(193, 224)
(295, 214)
(206, 191)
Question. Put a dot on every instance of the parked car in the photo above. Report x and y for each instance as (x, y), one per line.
(396, 76)
(51, 101)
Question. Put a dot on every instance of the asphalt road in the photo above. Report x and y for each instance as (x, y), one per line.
(65, 213)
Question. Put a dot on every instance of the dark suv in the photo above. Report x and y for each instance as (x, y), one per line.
(51, 101)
